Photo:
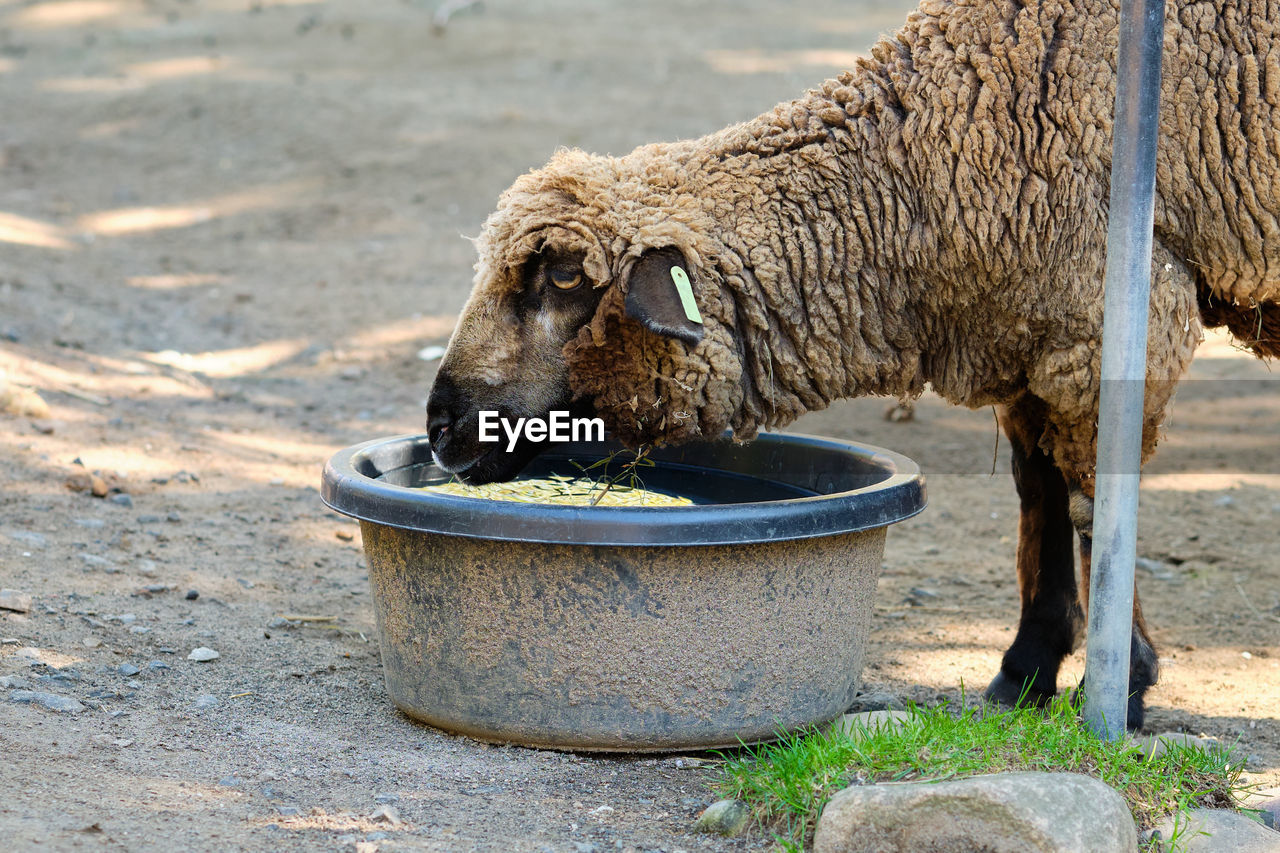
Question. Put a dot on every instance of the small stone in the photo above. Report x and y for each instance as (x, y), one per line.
(924, 592)
(44, 427)
(1267, 802)
(1156, 568)
(192, 594)
(1029, 811)
(98, 486)
(206, 701)
(95, 562)
(61, 704)
(128, 670)
(90, 523)
(148, 519)
(91, 642)
(14, 682)
(230, 781)
(377, 836)
(122, 499)
(858, 726)
(878, 701)
(1154, 746)
(1225, 500)
(386, 798)
(29, 538)
(1215, 831)
(157, 666)
(203, 654)
(288, 811)
(386, 814)
(18, 602)
(344, 535)
(173, 517)
(431, 353)
(724, 817)
(23, 402)
(139, 629)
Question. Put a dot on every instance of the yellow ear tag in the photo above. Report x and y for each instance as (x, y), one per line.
(685, 289)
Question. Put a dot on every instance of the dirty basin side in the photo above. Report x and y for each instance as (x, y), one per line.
(622, 649)
(629, 629)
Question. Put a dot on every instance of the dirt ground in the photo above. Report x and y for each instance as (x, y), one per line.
(227, 227)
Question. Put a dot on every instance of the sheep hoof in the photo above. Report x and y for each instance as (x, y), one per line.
(1011, 693)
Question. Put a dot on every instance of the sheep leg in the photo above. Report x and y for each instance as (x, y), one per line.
(1049, 624)
(1144, 665)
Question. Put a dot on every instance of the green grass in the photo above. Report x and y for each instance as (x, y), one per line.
(788, 782)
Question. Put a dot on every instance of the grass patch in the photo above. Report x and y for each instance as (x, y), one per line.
(788, 782)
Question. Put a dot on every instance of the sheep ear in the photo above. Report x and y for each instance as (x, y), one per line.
(654, 296)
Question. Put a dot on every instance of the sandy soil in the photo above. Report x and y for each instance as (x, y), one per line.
(226, 229)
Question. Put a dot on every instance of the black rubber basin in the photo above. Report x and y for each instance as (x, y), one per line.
(629, 628)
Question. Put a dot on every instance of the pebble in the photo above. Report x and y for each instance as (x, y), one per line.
(122, 499)
(203, 654)
(868, 722)
(18, 602)
(28, 537)
(431, 353)
(148, 519)
(206, 701)
(1225, 500)
(61, 704)
(878, 701)
(127, 669)
(14, 682)
(1214, 831)
(96, 562)
(230, 781)
(158, 665)
(386, 798)
(1154, 746)
(1156, 568)
(724, 817)
(192, 594)
(91, 642)
(386, 814)
(173, 516)
(90, 523)
(288, 811)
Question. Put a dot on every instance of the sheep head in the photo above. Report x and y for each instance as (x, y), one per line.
(574, 308)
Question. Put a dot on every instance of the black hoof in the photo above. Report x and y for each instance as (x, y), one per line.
(1011, 693)
(1135, 713)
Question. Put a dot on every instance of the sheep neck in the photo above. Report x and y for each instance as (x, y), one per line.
(810, 213)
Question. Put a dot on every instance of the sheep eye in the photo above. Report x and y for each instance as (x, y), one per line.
(564, 279)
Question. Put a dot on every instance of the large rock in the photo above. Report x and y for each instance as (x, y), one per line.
(1014, 812)
(1215, 831)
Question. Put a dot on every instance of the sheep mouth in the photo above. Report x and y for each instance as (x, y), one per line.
(495, 465)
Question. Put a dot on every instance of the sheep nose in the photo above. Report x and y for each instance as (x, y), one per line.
(441, 412)
(439, 426)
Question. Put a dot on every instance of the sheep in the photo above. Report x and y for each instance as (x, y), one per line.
(935, 216)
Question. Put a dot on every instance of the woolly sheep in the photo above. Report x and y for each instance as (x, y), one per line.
(936, 215)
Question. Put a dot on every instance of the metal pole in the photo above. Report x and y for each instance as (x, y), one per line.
(1124, 360)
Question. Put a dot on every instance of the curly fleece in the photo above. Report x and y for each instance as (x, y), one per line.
(937, 215)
